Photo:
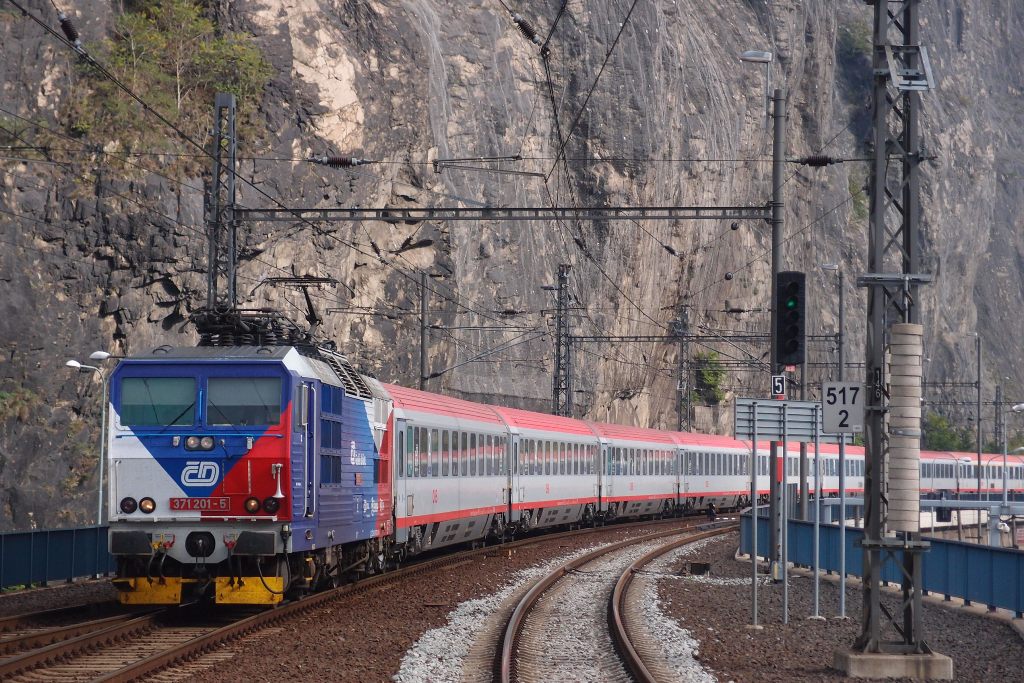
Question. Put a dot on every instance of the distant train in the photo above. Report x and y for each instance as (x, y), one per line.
(244, 474)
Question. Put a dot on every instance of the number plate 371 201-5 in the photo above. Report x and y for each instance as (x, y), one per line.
(201, 504)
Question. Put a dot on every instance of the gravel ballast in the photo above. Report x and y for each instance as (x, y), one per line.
(82, 592)
(365, 637)
(716, 610)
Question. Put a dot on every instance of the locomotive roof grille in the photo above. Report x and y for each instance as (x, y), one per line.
(351, 380)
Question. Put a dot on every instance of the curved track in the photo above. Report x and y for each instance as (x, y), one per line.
(134, 647)
(527, 651)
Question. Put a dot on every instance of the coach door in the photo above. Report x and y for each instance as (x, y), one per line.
(512, 494)
(677, 467)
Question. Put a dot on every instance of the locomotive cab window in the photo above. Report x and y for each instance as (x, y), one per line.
(243, 401)
(158, 401)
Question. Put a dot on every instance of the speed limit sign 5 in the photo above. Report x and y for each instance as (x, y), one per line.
(842, 407)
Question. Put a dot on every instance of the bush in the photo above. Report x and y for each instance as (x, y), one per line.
(709, 377)
(173, 58)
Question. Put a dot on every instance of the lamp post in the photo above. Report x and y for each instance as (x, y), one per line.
(834, 267)
(103, 424)
(956, 473)
(778, 112)
(1014, 409)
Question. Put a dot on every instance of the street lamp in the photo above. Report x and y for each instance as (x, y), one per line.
(778, 111)
(1015, 409)
(762, 57)
(834, 268)
(103, 424)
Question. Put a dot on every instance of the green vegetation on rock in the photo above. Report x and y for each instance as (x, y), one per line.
(942, 435)
(709, 377)
(175, 59)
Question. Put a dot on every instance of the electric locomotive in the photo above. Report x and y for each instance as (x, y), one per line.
(243, 473)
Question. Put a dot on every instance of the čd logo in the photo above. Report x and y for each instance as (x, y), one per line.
(200, 473)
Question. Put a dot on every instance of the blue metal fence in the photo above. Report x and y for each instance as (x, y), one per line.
(976, 573)
(38, 557)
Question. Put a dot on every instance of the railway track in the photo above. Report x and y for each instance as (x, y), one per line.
(550, 634)
(130, 647)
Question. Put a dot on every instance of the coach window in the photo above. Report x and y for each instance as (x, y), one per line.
(445, 454)
(413, 452)
(423, 452)
(478, 454)
(481, 455)
(400, 439)
(435, 452)
(464, 454)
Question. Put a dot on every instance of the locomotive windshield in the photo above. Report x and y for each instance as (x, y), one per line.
(158, 401)
(244, 401)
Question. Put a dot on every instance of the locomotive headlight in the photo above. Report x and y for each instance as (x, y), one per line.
(192, 443)
(206, 443)
(128, 505)
(252, 505)
(147, 505)
(271, 505)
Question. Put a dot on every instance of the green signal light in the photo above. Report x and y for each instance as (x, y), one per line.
(791, 303)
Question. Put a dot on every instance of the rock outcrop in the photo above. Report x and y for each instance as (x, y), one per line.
(110, 256)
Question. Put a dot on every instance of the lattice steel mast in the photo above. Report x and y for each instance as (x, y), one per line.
(901, 72)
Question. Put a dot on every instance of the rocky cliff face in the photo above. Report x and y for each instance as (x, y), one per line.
(94, 258)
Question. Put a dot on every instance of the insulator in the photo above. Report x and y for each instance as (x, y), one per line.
(526, 28)
(819, 160)
(339, 162)
(70, 32)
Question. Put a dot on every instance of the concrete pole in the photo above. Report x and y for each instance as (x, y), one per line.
(842, 463)
(423, 331)
(1000, 420)
(778, 222)
(753, 522)
(103, 450)
(977, 346)
(804, 494)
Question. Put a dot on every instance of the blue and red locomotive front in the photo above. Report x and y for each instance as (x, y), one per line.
(244, 473)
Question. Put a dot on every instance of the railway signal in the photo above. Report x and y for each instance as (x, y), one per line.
(790, 321)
